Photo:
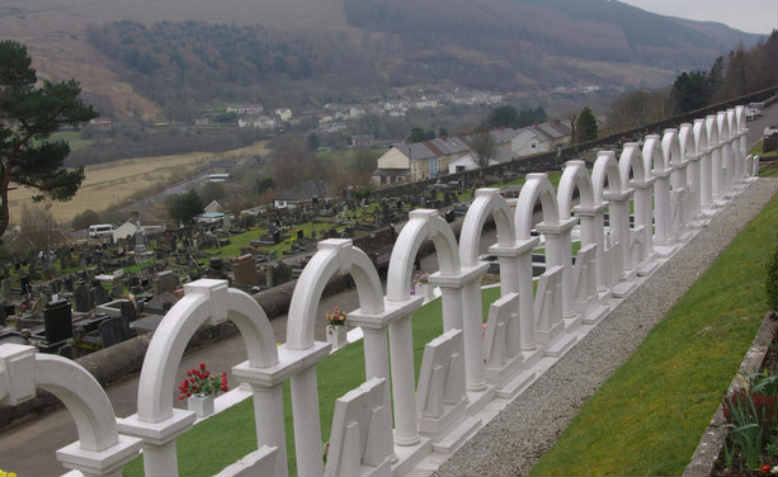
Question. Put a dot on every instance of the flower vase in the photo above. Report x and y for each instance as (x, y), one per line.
(429, 292)
(200, 404)
(337, 336)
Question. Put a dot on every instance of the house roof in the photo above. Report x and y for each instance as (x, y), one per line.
(415, 150)
(305, 191)
(503, 135)
(554, 129)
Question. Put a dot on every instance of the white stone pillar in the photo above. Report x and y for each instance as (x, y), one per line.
(509, 279)
(642, 201)
(526, 293)
(462, 295)
(559, 253)
(619, 222)
(269, 421)
(706, 167)
(374, 327)
(307, 426)
(662, 232)
(403, 388)
(715, 143)
(159, 439)
(592, 232)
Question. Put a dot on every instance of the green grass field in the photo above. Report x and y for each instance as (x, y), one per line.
(649, 416)
(225, 438)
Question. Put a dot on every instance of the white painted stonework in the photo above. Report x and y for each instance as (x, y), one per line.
(392, 425)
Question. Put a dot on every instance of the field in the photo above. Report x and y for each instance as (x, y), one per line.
(114, 182)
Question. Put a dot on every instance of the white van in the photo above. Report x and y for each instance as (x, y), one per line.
(99, 230)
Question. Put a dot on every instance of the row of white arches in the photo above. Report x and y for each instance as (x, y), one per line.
(671, 185)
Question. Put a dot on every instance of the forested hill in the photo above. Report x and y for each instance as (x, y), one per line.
(184, 53)
(183, 65)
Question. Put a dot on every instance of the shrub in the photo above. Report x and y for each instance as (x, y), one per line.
(85, 219)
(771, 284)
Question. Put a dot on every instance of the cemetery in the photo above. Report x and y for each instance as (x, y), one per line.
(432, 357)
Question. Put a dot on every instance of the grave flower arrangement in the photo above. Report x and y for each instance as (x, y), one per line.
(423, 279)
(200, 382)
(337, 317)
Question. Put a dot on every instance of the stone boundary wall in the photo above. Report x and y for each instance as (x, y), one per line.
(712, 440)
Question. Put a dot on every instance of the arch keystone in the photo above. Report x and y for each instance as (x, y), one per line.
(216, 296)
(342, 248)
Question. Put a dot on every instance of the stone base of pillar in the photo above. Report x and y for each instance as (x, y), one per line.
(647, 267)
(595, 314)
(545, 337)
(572, 322)
(666, 250)
(477, 400)
(409, 457)
(721, 202)
(516, 385)
(624, 288)
(560, 346)
(451, 441)
(752, 179)
(498, 376)
(436, 427)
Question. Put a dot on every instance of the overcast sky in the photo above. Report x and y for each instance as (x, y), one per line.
(755, 16)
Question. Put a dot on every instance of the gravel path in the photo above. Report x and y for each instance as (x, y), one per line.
(527, 428)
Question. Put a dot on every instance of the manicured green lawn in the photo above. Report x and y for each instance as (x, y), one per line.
(223, 439)
(648, 417)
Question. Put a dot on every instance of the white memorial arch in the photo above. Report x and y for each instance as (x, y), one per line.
(675, 183)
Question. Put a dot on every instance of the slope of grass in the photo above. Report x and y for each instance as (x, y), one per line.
(648, 417)
(225, 438)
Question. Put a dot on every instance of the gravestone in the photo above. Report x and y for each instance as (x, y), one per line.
(58, 321)
(128, 311)
(25, 285)
(83, 298)
(3, 314)
(112, 332)
(165, 281)
(245, 271)
(5, 288)
(100, 295)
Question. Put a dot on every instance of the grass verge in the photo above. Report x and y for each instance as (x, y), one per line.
(648, 417)
(217, 442)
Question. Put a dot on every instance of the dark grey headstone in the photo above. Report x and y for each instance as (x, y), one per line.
(112, 331)
(58, 321)
(83, 298)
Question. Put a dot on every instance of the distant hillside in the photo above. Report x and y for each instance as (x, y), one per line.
(183, 53)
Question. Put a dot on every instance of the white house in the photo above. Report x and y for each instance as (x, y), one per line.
(465, 163)
(285, 114)
(126, 230)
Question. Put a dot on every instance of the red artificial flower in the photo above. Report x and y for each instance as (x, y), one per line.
(188, 394)
(189, 373)
(202, 366)
(191, 380)
(181, 398)
(206, 374)
(765, 469)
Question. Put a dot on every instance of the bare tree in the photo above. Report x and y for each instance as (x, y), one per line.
(484, 147)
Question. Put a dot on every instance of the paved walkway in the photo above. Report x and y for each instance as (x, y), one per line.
(528, 427)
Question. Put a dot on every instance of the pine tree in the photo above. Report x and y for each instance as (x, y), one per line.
(28, 117)
(585, 126)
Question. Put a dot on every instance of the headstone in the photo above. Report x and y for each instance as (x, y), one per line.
(58, 321)
(129, 314)
(83, 298)
(3, 315)
(166, 281)
(100, 295)
(245, 271)
(5, 288)
(112, 332)
(25, 285)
